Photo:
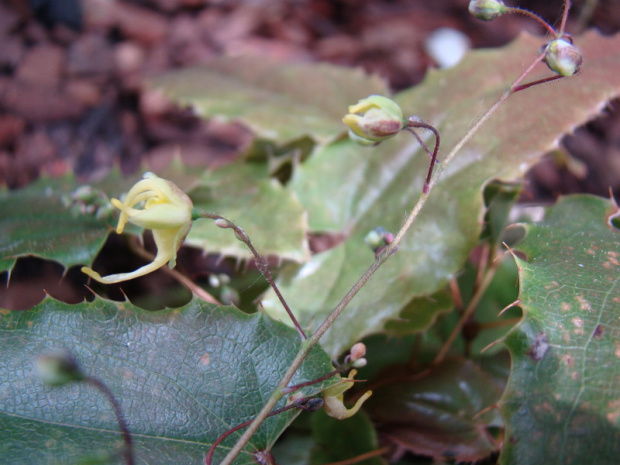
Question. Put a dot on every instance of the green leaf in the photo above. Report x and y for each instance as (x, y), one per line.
(348, 189)
(562, 401)
(338, 440)
(271, 215)
(279, 101)
(436, 412)
(43, 220)
(182, 377)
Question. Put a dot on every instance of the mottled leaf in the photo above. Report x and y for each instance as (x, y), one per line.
(562, 402)
(182, 377)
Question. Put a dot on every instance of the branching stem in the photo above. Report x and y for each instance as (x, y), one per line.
(298, 404)
(261, 263)
(469, 311)
(313, 340)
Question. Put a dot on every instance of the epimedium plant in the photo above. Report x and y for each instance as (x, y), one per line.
(205, 382)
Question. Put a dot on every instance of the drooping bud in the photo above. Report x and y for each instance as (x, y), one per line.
(562, 57)
(58, 367)
(374, 119)
(487, 10)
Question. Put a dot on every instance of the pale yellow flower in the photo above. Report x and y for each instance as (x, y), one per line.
(374, 119)
(333, 399)
(167, 211)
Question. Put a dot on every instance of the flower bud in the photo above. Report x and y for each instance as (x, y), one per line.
(374, 119)
(487, 10)
(58, 367)
(562, 57)
(358, 351)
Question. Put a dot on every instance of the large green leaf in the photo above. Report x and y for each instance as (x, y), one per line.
(436, 412)
(271, 215)
(182, 377)
(562, 401)
(44, 220)
(349, 189)
(338, 440)
(279, 101)
(47, 220)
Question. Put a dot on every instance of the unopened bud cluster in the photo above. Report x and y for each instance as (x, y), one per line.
(561, 56)
(356, 356)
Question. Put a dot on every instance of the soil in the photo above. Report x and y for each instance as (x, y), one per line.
(72, 100)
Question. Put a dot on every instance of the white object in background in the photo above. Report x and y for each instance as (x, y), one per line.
(447, 46)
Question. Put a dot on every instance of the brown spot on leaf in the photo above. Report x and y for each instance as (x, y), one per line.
(568, 360)
(613, 416)
(578, 322)
(584, 304)
(566, 307)
(574, 376)
(205, 359)
(598, 332)
(540, 347)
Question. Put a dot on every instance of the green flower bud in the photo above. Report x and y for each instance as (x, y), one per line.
(562, 57)
(374, 119)
(58, 367)
(487, 10)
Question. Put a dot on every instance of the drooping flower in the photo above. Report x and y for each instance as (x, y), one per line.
(333, 399)
(167, 211)
(374, 119)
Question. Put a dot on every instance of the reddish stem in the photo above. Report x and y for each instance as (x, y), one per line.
(535, 83)
(418, 124)
(297, 404)
(128, 451)
(261, 263)
(535, 17)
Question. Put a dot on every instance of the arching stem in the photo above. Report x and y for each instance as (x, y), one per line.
(414, 123)
(261, 263)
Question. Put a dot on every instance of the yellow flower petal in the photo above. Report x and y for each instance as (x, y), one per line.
(166, 210)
